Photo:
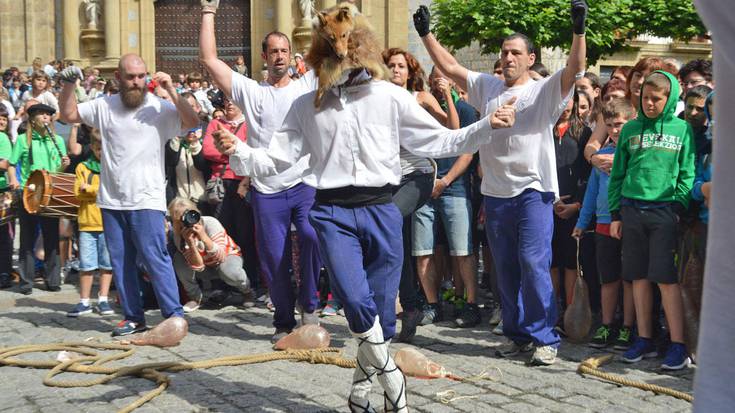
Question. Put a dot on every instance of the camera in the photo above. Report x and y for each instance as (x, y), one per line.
(190, 217)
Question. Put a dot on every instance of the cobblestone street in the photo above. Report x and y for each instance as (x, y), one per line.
(302, 387)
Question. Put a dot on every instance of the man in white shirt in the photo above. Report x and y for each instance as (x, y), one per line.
(134, 126)
(519, 182)
(350, 147)
(280, 200)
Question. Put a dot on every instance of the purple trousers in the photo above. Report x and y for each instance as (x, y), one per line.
(274, 214)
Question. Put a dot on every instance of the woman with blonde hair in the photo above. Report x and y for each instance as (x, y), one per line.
(203, 250)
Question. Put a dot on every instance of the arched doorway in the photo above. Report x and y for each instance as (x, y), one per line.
(177, 33)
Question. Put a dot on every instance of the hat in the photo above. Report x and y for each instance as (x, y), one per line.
(40, 108)
(298, 55)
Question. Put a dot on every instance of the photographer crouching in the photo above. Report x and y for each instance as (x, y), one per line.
(204, 250)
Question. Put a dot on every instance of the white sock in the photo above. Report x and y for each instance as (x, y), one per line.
(84, 301)
(102, 299)
(374, 350)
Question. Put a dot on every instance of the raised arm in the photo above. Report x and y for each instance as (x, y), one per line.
(221, 73)
(577, 60)
(441, 57)
(68, 110)
(189, 118)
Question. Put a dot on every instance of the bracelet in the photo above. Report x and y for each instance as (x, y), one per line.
(207, 10)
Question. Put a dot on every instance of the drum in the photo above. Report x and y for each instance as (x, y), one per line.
(50, 194)
(9, 203)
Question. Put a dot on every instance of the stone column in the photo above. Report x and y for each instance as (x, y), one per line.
(284, 16)
(112, 29)
(72, 28)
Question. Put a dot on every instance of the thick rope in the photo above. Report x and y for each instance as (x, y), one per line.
(90, 362)
(591, 367)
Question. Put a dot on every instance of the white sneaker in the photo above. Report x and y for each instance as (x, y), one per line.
(498, 330)
(497, 316)
(191, 306)
(544, 356)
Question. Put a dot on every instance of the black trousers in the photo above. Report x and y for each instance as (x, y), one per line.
(52, 262)
(236, 216)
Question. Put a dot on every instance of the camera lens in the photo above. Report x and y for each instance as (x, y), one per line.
(190, 218)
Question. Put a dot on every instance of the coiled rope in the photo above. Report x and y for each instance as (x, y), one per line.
(591, 367)
(93, 363)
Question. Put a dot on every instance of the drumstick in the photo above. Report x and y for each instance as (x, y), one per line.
(53, 139)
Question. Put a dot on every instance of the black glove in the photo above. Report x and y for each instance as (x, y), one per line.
(579, 14)
(421, 21)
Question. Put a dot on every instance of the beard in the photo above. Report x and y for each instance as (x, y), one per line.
(132, 97)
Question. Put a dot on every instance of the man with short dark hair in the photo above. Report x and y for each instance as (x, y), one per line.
(520, 182)
(694, 73)
(281, 200)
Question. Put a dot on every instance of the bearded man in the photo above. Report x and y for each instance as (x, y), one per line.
(134, 126)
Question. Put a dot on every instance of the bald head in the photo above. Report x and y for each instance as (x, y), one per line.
(130, 61)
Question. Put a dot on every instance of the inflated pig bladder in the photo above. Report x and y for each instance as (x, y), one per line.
(305, 337)
(168, 333)
(413, 363)
(578, 317)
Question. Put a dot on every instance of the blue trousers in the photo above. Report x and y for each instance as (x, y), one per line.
(519, 232)
(274, 214)
(130, 234)
(362, 249)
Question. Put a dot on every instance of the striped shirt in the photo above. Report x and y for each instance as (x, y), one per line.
(223, 246)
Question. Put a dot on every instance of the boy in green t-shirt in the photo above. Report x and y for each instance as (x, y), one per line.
(35, 150)
(6, 241)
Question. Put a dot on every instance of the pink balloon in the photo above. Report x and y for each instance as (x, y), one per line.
(167, 334)
(303, 338)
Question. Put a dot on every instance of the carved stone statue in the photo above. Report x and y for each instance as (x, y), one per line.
(306, 7)
(92, 12)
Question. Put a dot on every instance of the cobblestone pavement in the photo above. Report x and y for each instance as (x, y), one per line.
(302, 387)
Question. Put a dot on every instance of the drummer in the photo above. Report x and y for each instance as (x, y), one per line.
(38, 148)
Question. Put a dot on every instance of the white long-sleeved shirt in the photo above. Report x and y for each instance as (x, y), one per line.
(354, 139)
(265, 107)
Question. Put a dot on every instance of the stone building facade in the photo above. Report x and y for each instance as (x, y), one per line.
(164, 32)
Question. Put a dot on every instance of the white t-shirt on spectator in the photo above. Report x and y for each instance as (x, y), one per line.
(521, 157)
(265, 107)
(47, 98)
(132, 173)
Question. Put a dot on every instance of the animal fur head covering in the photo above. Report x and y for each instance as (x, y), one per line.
(343, 40)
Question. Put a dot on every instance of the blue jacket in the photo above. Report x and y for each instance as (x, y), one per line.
(702, 175)
(595, 197)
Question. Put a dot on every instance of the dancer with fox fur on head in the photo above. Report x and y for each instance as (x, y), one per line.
(348, 133)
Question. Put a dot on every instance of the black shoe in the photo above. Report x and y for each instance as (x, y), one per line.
(127, 327)
(469, 316)
(409, 321)
(26, 291)
(52, 288)
(5, 281)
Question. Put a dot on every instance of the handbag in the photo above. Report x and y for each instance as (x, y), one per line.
(215, 186)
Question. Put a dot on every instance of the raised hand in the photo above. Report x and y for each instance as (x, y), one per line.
(224, 140)
(421, 20)
(164, 80)
(579, 15)
(504, 116)
(210, 6)
(71, 74)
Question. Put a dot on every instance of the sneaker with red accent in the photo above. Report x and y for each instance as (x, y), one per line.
(127, 327)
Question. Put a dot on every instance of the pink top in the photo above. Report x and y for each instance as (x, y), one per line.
(217, 160)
